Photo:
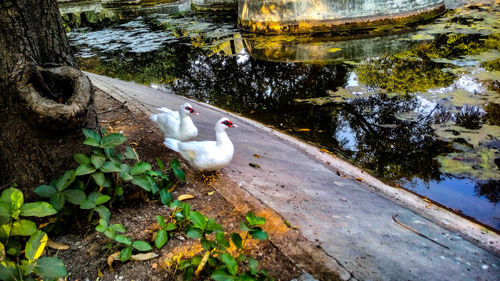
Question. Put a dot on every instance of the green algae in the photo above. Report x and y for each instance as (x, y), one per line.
(479, 164)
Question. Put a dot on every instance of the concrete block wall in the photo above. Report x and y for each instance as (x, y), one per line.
(274, 14)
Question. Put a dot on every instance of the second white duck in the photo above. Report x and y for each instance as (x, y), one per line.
(207, 155)
(176, 124)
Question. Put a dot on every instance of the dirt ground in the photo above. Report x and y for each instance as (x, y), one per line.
(88, 254)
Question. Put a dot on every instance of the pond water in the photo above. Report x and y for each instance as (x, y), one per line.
(419, 109)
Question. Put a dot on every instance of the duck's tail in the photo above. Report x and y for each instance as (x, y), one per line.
(154, 117)
(172, 144)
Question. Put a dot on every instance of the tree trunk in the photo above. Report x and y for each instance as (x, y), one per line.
(45, 99)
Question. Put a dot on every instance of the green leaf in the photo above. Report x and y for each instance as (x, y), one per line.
(143, 182)
(13, 248)
(174, 163)
(170, 226)
(94, 195)
(110, 233)
(104, 212)
(212, 225)
(188, 274)
(176, 168)
(118, 191)
(244, 277)
(23, 228)
(259, 234)
(112, 140)
(15, 198)
(9, 271)
(75, 196)
(160, 163)
(198, 219)
(165, 197)
(37, 209)
(123, 239)
(85, 169)
(254, 220)
(194, 233)
(93, 137)
(119, 227)
(140, 168)
(4, 212)
(45, 190)
(99, 178)
(236, 238)
(102, 199)
(161, 221)
(50, 268)
(57, 200)
(100, 228)
(221, 240)
(141, 245)
(244, 227)
(252, 265)
(81, 158)
(222, 275)
(129, 153)
(161, 238)
(97, 160)
(35, 245)
(87, 204)
(125, 172)
(125, 254)
(241, 258)
(110, 167)
(65, 180)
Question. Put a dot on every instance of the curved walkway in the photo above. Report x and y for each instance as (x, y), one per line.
(345, 217)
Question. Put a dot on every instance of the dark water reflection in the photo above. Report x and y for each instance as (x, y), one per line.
(382, 112)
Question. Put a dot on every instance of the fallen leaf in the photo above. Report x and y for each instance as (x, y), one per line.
(253, 165)
(134, 143)
(154, 266)
(304, 130)
(99, 272)
(333, 50)
(256, 156)
(51, 220)
(111, 259)
(143, 257)
(57, 246)
(359, 179)
(185, 197)
(210, 193)
(327, 151)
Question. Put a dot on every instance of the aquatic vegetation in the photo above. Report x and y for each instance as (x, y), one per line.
(475, 163)
(396, 74)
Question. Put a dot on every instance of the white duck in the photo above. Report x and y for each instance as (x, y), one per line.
(176, 124)
(207, 155)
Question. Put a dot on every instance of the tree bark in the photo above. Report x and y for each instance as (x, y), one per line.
(45, 99)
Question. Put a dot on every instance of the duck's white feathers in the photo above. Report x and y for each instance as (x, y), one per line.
(175, 125)
(205, 155)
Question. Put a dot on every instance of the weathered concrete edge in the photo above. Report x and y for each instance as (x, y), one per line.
(291, 243)
(473, 232)
(469, 230)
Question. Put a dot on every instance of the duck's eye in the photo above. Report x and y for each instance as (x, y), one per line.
(187, 108)
(226, 123)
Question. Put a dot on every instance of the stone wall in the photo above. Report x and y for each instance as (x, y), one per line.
(277, 16)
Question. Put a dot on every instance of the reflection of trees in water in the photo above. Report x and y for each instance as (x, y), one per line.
(393, 148)
(261, 89)
(489, 189)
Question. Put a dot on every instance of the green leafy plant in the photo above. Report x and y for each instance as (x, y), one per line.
(13, 233)
(217, 261)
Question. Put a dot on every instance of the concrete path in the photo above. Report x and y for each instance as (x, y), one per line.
(341, 210)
